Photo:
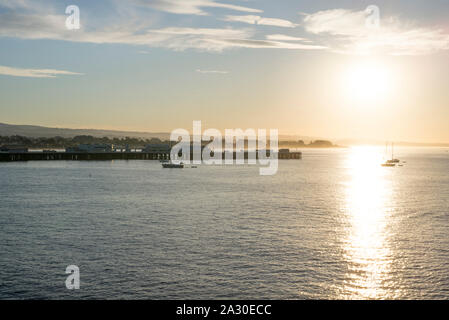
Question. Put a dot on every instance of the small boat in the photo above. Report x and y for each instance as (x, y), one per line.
(393, 161)
(170, 165)
(388, 164)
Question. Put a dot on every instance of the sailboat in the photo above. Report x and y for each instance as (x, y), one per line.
(392, 162)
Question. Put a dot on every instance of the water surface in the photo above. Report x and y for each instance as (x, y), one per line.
(333, 225)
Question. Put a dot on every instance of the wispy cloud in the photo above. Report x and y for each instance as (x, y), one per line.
(29, 24)
(36, 26)
(347, 33)
(283, 37)
(211, 71)
(191, 6)
(215, 32)
(10, 4)
(34, 73)
(32, 26)
(267, 44)
(252, 19)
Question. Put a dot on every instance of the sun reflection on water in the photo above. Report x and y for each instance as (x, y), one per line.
(366, 247)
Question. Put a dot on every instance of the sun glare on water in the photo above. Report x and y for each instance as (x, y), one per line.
(368, 211)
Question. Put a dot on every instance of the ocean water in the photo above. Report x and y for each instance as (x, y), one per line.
(335, 225)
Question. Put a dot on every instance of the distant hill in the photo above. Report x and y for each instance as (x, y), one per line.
(45, 132)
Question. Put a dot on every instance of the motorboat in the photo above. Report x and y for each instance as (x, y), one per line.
(171, 165)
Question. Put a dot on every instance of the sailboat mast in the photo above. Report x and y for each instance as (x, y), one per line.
(392, 150)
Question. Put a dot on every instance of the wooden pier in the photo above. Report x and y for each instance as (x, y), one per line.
(108, 156)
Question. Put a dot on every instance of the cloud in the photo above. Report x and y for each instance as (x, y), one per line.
(282, 37)
(336, 22)
(338, 30)
(251, 19)
(211, 71)
(265, 44)
(347, 32)
(208, 39)
(190, 6)
(12, 4)
(27, 6)
(215, 32)
(175, 38)
(31, 25)
(34, 73)
(35, 26)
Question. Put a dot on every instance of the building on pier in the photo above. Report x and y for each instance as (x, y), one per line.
(13, 149)
(157, 148)
(91, 148)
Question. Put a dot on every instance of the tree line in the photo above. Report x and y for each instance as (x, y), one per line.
(61, 142)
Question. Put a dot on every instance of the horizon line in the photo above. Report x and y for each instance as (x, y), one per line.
(351, 141)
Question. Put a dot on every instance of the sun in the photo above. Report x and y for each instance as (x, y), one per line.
(367, 82)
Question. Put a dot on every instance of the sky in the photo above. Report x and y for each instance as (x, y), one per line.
(332, 69)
